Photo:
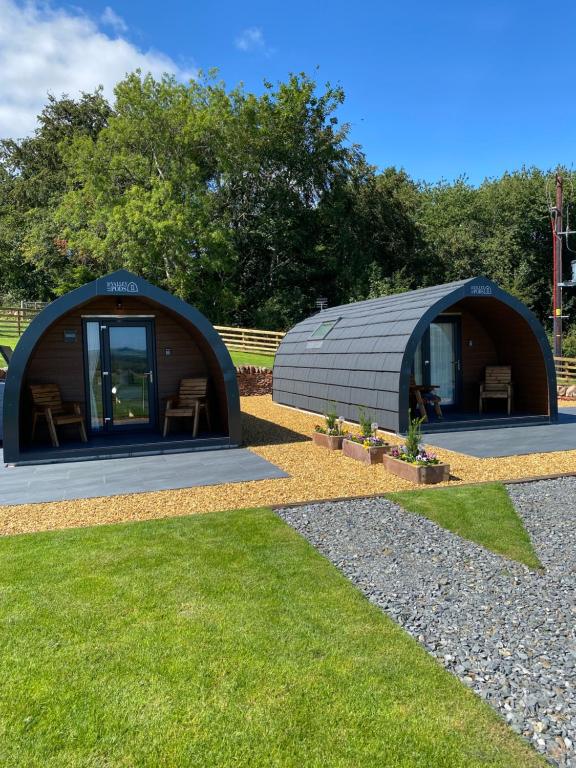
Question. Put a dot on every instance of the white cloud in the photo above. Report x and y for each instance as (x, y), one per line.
(251, 39)
(43, 49)
(111, 19)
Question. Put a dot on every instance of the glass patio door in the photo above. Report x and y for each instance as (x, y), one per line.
(120, 371)
(437, 360)
(444, 360)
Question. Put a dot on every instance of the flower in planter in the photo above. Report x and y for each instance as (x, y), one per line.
(368, 442)
(421, 459)
(367, 427)
(413, 452)
(333, 424)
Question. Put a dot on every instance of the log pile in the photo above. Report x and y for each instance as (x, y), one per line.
(254, 380)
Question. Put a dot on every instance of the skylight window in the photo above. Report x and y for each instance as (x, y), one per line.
(324, 329)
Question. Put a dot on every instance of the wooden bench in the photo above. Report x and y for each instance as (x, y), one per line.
(48, 405)
(497, 385)
(190, 400)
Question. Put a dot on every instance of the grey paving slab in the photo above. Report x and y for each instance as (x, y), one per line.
(136, 474)
(511, 441)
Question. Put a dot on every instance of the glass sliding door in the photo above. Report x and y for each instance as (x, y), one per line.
(444, 360)
(120, 374)
(130, 375)
(94, 376)
(437, 360)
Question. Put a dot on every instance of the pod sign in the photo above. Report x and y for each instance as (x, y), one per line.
(481, 290)
(121, 286)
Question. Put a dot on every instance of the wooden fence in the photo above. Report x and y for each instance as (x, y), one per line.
(250, 339)
(565, 370)
(15, 320)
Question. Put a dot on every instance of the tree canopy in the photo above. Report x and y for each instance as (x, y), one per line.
(250, 206)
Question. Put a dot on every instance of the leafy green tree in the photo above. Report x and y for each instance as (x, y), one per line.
(252, 206)
(225, 198)
(33, 178)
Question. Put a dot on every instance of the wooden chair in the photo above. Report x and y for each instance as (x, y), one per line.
(48, 405)
(5, 354)
(497, 385)
(191, 399)
(422, 395)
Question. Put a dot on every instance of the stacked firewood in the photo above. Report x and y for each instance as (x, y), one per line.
(254, 380)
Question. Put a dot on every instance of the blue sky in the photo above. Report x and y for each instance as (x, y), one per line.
(440, 89)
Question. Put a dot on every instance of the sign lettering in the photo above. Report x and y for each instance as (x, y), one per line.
(481, 290)
(121, 286)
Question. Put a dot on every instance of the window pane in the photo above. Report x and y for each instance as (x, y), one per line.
(418, 373)
(442, 360)
(94, 375)
(130, 375)
(323, 329)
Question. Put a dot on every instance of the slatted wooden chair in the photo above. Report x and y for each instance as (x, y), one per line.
(47, 403)
(421, 395)
(192, 398)
(497, 384)
(5, 354)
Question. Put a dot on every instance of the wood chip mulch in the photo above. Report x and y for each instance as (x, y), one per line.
(282, 436)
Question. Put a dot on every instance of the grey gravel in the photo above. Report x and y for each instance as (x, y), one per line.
(506, 631)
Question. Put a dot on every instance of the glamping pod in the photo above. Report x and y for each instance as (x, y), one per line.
(118, 367)
(461, 355)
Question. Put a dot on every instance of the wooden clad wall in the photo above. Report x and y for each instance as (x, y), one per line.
(57, 361)
(475, 358)
(500, 336)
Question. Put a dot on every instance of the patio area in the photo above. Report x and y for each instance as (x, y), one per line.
(494, 440)
(281, 436)
(139, 474)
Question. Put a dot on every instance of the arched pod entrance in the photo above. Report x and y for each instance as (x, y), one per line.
(123, 328)
(363, 355)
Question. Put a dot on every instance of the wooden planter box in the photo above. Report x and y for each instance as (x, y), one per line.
(332, 442)
(426, 475)
(367, 455)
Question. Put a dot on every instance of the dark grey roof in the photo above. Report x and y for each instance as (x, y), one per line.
(366, 358)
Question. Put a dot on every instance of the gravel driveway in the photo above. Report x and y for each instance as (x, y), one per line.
(505, 631)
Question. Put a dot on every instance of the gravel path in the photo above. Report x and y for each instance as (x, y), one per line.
(505, 631)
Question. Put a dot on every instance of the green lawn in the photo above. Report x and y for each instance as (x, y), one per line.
(251, 358)
(8, 341)
(481, 513)
(218, 640)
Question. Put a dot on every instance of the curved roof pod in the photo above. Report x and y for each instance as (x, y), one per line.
(117, 284)
(361, 355)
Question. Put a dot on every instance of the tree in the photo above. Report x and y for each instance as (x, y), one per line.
(251, 206)
(33, 178)
(225, 198)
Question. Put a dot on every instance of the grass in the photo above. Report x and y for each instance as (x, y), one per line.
(251, 358)
(8, 341)
(221, 640)
(481, 513)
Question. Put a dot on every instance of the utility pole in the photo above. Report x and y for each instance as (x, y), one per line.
(557, 251)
